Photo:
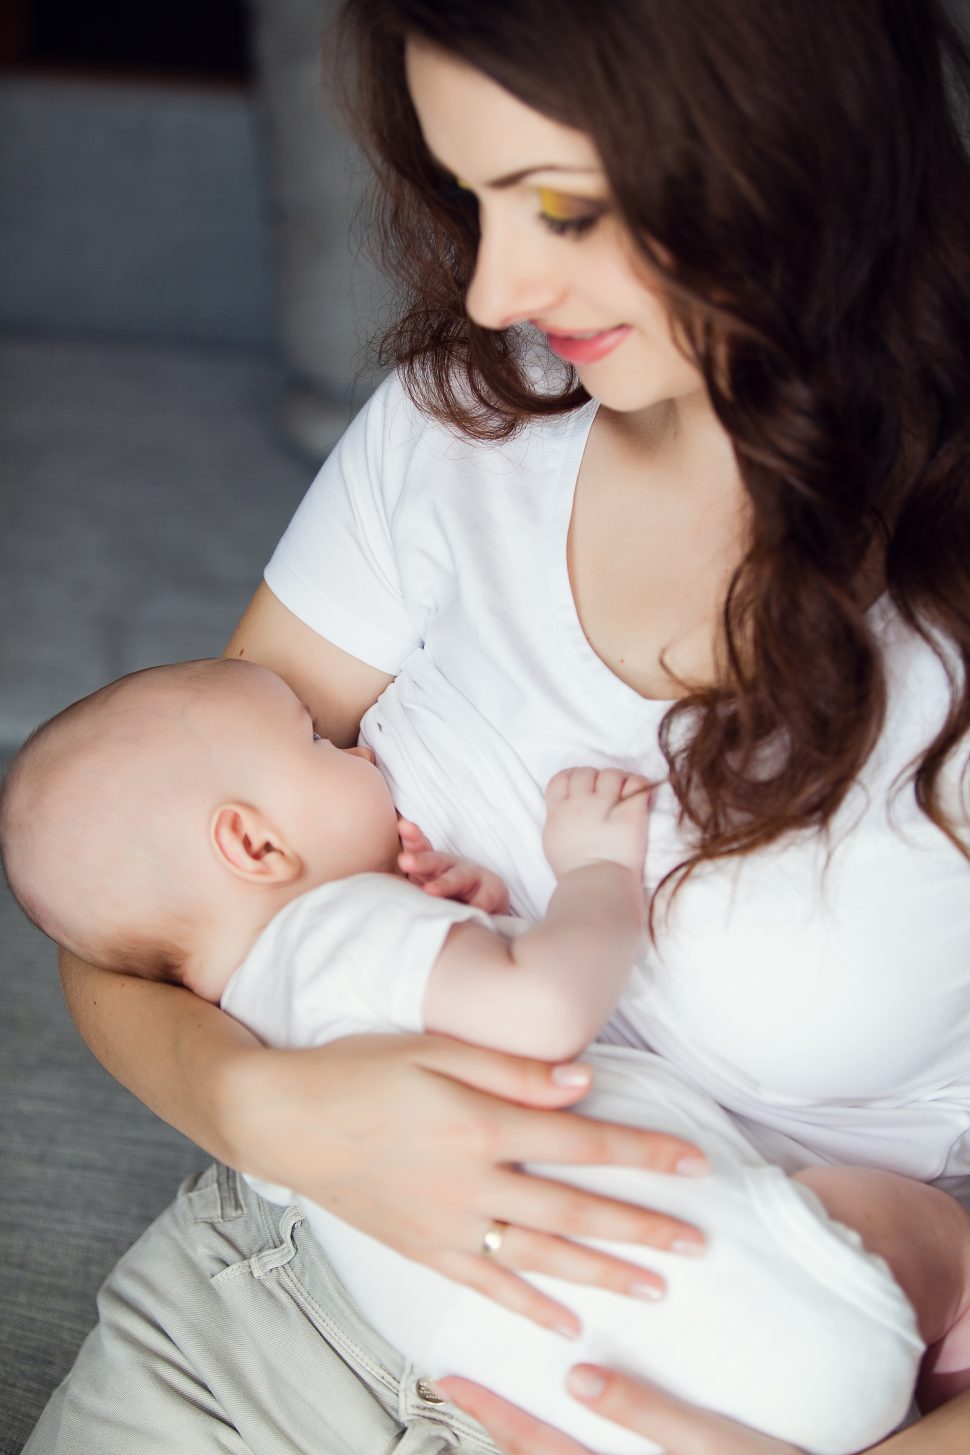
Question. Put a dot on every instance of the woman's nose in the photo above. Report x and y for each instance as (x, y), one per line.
(513, 280)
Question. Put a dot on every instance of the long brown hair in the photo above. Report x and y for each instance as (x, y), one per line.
(796, 178)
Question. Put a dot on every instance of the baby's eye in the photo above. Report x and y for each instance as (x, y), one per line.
(317, 737)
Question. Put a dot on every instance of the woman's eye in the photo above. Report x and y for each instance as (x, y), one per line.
(555, 213)
(569, 226)
(566, 216)
(317, 737)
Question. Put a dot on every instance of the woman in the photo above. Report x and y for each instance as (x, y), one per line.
(748, 236)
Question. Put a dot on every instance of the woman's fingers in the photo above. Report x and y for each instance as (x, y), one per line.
(681, 1429)
(521, 1136)
(514, 1431)
(584, 1141)
(529, 1251)
(503, 1286)
(570, 1212)
(430, 1183)
(515, 1079)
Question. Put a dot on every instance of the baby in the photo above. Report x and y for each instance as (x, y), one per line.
(187, 823)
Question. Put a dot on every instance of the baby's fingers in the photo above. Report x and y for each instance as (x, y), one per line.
(413, 839)
(458, 881)
(424, 864)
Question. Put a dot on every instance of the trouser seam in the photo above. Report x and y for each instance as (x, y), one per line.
(336, 1336)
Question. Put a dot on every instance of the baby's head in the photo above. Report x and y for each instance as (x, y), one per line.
(157, 825)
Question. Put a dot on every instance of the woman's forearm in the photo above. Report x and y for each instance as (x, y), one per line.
(175, 1052)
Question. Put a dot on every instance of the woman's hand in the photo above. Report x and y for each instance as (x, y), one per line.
(678, 1428)
(418, 1140)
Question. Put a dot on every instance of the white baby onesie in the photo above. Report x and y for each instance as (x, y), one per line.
(785, 1324)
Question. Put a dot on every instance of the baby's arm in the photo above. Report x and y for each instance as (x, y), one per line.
(549, 992)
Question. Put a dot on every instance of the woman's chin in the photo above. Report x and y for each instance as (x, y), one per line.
(626, 390)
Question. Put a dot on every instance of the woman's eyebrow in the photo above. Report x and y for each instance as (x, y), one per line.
(511, 179)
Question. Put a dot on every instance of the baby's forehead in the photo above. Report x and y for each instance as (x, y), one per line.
(181, 714)
(200, 686)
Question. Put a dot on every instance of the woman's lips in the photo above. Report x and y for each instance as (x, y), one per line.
(588, 348)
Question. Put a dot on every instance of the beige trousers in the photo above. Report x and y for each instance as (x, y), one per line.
(224, 1330)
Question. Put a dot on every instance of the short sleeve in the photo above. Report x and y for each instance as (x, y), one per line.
(335, 565)
(349, 957)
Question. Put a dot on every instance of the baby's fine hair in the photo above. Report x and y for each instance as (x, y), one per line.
(73, 742)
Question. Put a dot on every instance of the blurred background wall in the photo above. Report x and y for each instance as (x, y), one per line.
(180, 300)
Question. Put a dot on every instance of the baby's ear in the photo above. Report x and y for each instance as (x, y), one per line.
(249, 847)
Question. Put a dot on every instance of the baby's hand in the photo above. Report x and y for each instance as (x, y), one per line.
(446, 876)
(596, 816)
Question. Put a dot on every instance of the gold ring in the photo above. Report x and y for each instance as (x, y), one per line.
(493, 1239)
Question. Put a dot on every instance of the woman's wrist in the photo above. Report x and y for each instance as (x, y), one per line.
(277, 1109)
(249, 1094)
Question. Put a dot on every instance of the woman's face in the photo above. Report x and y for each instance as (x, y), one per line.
(552, 251)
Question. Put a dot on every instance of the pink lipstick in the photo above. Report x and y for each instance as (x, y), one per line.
(586, 348)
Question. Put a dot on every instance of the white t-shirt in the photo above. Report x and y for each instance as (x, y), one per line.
(786, 1324)
(828, 1011)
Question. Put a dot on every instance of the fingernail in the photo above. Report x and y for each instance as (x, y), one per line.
(568, 1329)
(585, 1383)
(651, 1291)
(692, 1247)
(692, 1167)
(572, 1075)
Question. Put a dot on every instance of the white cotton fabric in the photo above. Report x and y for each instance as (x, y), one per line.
(829, 1009)
(786, 1324)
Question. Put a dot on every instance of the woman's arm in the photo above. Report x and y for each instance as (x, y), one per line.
(175, 1052)
(681, 1429)
(337, 688)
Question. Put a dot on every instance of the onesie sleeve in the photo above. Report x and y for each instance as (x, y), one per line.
(335, 566)
(349, 957)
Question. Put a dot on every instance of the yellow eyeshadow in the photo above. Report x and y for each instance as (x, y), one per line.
(561, 208)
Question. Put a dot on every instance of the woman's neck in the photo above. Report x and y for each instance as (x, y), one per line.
(681, 437)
